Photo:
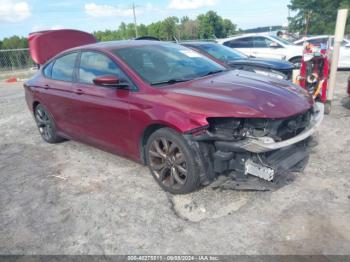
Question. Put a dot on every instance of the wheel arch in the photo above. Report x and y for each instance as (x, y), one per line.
(294, 57)
(35, 104)
(147, 132)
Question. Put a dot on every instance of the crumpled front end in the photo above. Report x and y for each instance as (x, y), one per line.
(260, 148)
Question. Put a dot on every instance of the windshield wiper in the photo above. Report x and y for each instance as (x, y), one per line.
(214, 72)
(171, 81)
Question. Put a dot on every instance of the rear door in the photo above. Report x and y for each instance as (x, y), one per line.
(55, 91)
(243, 44)
(101, 113)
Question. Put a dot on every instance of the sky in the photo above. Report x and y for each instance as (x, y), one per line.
(20, 17)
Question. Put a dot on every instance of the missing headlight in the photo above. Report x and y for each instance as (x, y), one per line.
(226, 126)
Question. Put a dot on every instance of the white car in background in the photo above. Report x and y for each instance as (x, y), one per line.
(344, 57)
(265, 45)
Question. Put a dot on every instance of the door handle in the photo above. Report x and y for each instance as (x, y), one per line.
(79, 91)
(46, 86)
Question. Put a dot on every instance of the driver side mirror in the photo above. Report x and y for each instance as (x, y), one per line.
(274, 45)
(110, 81)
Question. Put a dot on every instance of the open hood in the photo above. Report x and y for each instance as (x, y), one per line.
(44, 45)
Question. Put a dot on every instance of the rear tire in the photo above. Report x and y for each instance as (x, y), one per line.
(46, 125)
(171, 162)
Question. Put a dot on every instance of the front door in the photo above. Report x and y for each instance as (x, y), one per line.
(100, 112)
(267, 48)
(243, 44)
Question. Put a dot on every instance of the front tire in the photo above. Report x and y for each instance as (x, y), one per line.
(171, 162)
(46, 125)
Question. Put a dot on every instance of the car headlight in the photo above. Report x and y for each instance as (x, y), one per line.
(270, 73)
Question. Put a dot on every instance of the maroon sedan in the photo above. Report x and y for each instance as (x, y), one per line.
(164, 105)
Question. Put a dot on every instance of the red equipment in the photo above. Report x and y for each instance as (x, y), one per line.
(314, 71)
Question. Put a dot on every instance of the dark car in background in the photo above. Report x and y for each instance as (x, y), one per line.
(231, 58)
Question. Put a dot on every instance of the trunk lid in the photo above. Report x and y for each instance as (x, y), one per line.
(44, 45)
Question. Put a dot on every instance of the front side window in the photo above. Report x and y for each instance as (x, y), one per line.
(262, 42)
(63, 67)
(245, 42)
(281, 40)
(94, 64)
(166, 62)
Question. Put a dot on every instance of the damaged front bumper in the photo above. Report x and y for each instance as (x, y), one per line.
(261, 157)
(265, 144)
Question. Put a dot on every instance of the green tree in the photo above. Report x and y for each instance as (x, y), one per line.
(228, 28)
(14, 42)
(130, 31)
(211, 25)
(122, 30)
(142, 30)
(188, 29)
(169, 27)
(155, 29)
(204, 26)
(316, 16)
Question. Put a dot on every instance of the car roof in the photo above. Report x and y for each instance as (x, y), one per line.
(112, 45)
(245, 35)
(312, 37)
(197, 43)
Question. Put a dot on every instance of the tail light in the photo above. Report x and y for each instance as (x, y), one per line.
(349, 86)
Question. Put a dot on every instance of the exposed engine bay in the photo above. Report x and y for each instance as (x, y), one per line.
(263, 148)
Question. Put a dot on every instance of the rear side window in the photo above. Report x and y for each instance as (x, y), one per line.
(63, 67)
(245, 42)
(93, 64)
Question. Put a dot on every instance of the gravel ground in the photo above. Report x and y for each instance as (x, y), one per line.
(74, 199)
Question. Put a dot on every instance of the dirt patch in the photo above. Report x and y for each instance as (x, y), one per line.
(209, 204)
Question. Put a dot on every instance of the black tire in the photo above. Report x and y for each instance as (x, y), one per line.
(179, 174)
(46, 125)
(296, 61)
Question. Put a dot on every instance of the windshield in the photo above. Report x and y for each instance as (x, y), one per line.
(283, 41)
(221, 52)
(167, 63)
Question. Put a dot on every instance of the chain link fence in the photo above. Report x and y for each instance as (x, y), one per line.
(15, 59)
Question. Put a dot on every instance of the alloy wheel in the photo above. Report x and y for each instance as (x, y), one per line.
(168, 163)
(44, 123)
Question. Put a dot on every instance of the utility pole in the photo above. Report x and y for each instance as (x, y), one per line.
(338, 38)
(133, 10)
